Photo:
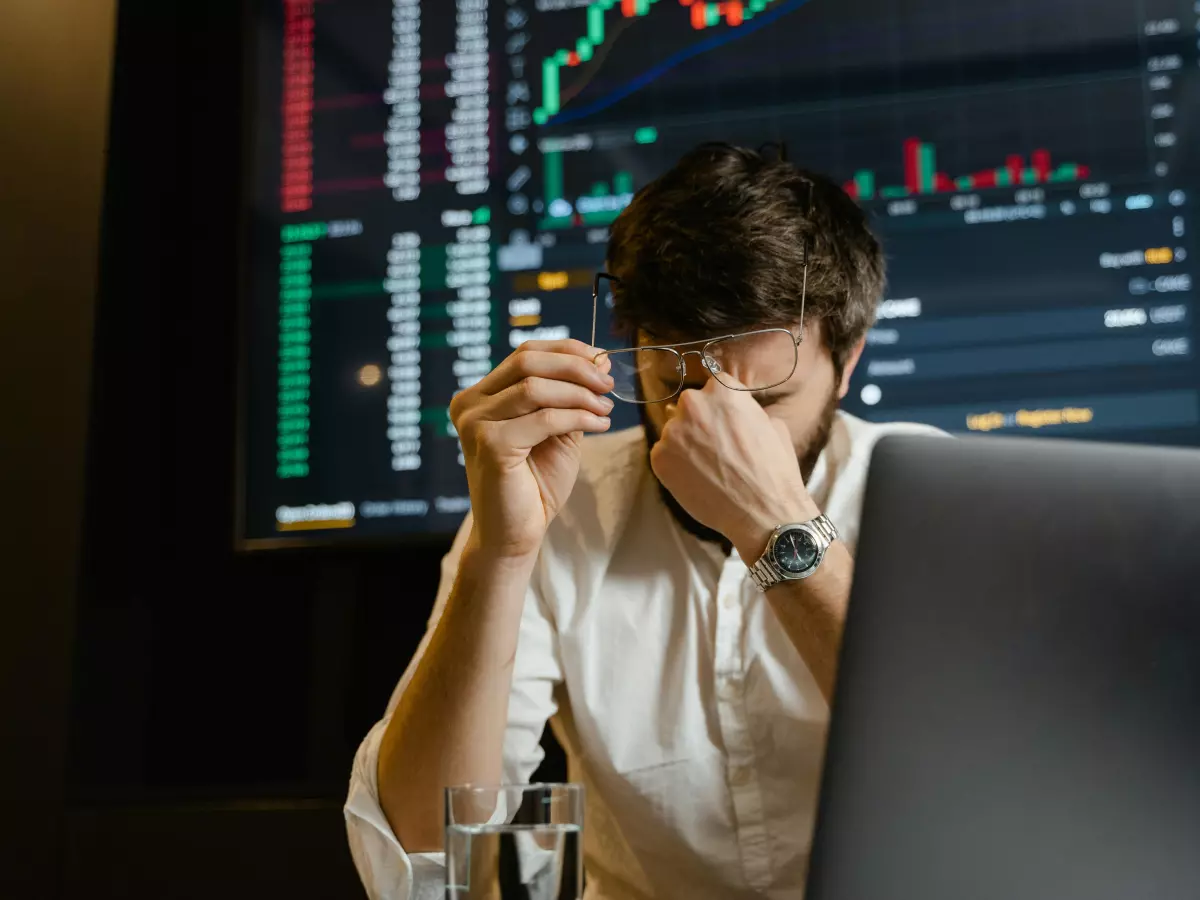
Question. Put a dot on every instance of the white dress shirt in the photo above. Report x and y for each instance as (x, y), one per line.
(684, 709)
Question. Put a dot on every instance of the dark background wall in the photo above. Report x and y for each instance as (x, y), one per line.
(54, 71)
(179, 719)
(218, 698)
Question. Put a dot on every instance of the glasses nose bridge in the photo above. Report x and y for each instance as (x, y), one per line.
(705, 356)
(707, 361)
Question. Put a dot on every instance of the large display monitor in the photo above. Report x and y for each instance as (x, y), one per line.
(433, 182)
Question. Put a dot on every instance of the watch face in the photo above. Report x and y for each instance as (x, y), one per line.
(796, 551)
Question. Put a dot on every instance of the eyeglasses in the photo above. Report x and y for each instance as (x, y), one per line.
(751, 361)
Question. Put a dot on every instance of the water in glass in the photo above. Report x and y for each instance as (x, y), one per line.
(514, 862)
(514, 843)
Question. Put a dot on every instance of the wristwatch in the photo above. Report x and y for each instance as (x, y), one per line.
(794, 551)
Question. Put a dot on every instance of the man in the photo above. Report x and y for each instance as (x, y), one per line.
(604, 584)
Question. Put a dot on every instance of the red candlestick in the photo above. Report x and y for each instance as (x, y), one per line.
(912, 165)
(1014, 163)
(1041, 165)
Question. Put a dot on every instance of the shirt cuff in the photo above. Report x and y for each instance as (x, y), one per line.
(386, 870)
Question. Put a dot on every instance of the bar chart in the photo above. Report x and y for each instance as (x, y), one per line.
(600, 205)
(921, 174)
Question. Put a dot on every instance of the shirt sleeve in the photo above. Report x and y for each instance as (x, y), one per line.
(386, 870)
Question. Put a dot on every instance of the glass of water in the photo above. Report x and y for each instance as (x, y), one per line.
(519, 842)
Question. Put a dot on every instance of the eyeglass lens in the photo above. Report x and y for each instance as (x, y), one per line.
(752, 362)
(646, 375)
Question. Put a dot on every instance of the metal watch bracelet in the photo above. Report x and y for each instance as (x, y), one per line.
(767, 574)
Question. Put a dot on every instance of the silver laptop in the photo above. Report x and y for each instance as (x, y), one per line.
(1017, 714)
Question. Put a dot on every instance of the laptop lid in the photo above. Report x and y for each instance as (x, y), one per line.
(1018, 707)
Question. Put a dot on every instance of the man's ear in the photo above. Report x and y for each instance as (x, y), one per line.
(848, 369)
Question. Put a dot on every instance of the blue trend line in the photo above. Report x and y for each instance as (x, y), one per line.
(721, 38)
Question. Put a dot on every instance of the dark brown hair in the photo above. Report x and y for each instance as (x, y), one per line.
(717, 245)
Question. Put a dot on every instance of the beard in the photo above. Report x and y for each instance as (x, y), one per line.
(814, 444)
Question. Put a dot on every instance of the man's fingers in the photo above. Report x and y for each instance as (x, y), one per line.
(540, 374)
(568, 345)
(526, 432)
(571, 362)
(531, 394)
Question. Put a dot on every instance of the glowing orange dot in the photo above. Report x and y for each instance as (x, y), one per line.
(369, 375)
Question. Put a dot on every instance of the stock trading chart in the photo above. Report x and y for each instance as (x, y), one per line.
(434, 182)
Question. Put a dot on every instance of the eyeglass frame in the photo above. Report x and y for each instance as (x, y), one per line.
(707, 360)
(704, 357)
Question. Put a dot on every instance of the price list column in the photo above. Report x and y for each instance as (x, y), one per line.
(469, 275)
(293, 411)
(455, 259)
(1168, 32)
(403, 97)
(296, 187)
(1162, 31)
(404, 369)
(456, 313)
(468, 142)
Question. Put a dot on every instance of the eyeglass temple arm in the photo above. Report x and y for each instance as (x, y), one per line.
(600, 276)
(808, 244)
(803, 294)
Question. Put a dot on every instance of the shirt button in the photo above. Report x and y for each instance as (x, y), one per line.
(727, 690)
(739, 776)
(730, 601)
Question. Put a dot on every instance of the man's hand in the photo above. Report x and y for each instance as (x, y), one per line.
(731, 466)
(520, 428)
